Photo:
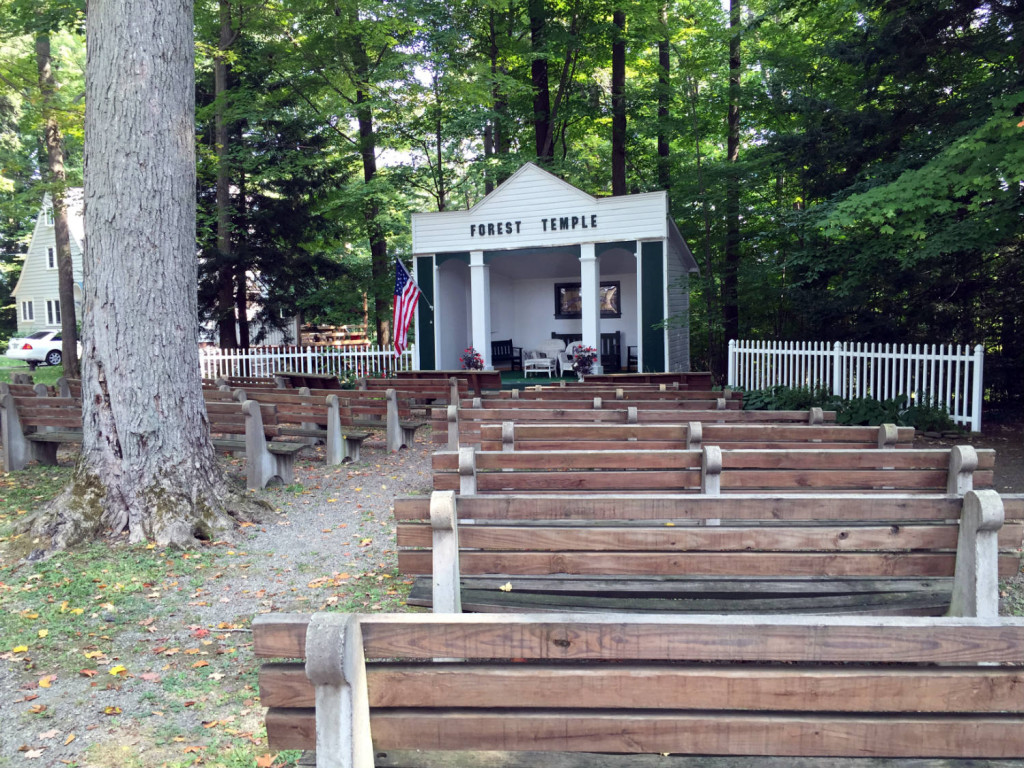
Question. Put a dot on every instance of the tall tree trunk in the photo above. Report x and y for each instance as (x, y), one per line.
(380, 267)
(221, 138)
(55, 158)
(542, 129)
(147, 465)
(730, 270)
(241, 270)
(664, 96)
(619, 103)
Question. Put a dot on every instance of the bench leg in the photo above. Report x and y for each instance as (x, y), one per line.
(976, 576)
(352, 446)
(336, 667)
(447, 593)
(18, 450)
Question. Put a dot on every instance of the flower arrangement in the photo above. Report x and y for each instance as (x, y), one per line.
(583, 360)
(471, 360)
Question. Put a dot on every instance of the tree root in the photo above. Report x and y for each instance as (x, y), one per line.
(169, 513)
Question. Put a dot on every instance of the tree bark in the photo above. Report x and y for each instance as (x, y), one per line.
(221, 139)
(542, 129)
(54, 142)
(147, 466)
(664, 96)
(619, 103)
(730, 270)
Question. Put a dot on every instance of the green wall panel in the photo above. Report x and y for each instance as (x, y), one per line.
(424, 314)
(652, 276)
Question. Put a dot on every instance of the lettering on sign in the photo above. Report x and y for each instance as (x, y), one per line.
(492, 228)
(548, 224)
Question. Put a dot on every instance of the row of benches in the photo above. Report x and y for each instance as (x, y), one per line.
(33, 425)
(390, 690)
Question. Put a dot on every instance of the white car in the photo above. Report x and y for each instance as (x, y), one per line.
(40, 347)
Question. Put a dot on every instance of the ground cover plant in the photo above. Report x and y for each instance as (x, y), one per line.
(120, 655)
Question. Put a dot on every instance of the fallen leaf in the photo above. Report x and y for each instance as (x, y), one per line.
(265, 761)
(111, 710)
(194, 748)
(32, 754)
(119, 670)
(46, 681)
(37, 709)
(210, 723)
(69, 739)
(199, 664)
(87, 672)
(43, 632)
(19, 649)
(150, 677)
(506, 587)
(49, 734)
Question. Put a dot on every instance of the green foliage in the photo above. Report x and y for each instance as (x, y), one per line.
(866, 411)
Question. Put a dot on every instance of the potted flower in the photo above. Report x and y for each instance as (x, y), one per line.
(471, 360)
(583, 361)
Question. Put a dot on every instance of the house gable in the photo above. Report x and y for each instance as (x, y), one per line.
(38, 282)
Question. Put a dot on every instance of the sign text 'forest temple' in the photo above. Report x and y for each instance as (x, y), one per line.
(548, 224)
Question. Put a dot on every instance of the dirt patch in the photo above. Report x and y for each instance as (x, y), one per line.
(1006, 437)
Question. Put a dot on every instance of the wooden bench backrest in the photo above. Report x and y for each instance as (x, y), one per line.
(627, 683)
(677, 404)
(292, 407)
(228, 418)
(697, 380)
(711, 469)
(596, 437)
(623, 393)
(757, 536)
(466, 422)
(478, 380)
(35, 412)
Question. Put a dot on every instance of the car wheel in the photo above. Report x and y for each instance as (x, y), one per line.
(53, 357)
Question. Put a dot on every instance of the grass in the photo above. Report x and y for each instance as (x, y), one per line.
(43, 374)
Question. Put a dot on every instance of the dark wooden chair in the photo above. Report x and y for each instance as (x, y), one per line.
(504, 353)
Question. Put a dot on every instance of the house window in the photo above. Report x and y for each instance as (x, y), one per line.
(53, 312)
(26, 311)
(51, 258)
(48, 216)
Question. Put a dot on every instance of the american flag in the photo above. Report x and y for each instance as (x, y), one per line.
(407, 293)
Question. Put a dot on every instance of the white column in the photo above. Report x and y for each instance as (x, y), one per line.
(590, 298)
(480, 298)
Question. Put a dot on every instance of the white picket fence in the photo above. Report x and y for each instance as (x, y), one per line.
(937, 374)
(265, 361)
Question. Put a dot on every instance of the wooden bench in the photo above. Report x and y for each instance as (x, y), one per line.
(663, 404)
(373, 409)
(503, 352)
(696, 380)
(33, 427)
(421, 392)
(583, 391)
(66, 387)
(315, 418)
(461, 426)
(479, 381)
(766, 553)
(712, 470)
(298, 379)
(248, 382)
(264, 459)
(512, 436)
(411, 689)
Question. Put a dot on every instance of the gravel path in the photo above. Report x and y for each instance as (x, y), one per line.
(327, 543)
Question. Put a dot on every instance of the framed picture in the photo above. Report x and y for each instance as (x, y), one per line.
(568, 303)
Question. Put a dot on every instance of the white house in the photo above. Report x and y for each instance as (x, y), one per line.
(37, 293)
(538, 258)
